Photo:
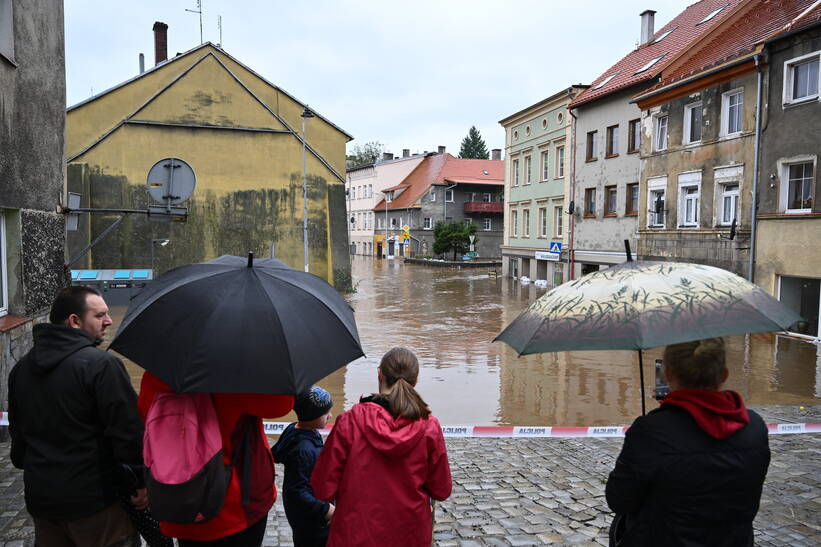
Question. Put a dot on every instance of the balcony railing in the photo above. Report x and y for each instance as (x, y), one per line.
(483, 207)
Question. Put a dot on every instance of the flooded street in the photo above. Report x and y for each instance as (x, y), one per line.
(449, 318)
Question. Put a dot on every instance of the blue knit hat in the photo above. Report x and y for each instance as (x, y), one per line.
(312, 404)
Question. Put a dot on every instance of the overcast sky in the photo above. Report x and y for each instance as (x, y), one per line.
(408, 74)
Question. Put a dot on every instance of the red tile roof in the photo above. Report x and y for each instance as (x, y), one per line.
(740, 35)
(443, 169)
(686, 28)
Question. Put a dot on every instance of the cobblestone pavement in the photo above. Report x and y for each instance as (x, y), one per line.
(544, 491)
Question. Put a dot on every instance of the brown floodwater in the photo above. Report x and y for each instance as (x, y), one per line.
(449, 319)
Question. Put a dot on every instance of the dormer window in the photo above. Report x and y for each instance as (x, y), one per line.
(649, 64)
(389, 196)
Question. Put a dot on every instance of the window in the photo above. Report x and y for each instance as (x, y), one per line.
(394, 223)
(803, 296)
(661, 133)
(526, 223)
(487, 198)
(729, 203)
(634, 136)
(514, 223)
(559, 162)
(732, 109)
(515, 172)
(557, 219)
(591, 146)
(468, 221)
(590, 202)
(449, 196)
(370, 191)
(711, 15)
(649, 64)
(605, 81)
(799, 187)
(432, 194)
(4, 292)
(692, 123)
(527, 170)
(543, 222)
(7, 30)
(610, 203)
(487, 224)
(689, 185)
(801, 78)
(427, 223)
(664, 35)
(381, 222)
(389, 196)
(612, 141)
(545, 168)
(656, 188)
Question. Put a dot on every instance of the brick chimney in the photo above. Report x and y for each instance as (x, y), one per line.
(647, 23)
(496, 154)
(406, 152)
(160, 42)
(441, 150)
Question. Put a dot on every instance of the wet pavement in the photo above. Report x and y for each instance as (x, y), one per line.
(545, 491)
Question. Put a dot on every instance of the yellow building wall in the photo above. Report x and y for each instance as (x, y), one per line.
(797, 255)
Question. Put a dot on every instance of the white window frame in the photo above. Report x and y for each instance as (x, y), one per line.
(688, 121)
(4, 279)
(487, 224)
(543, 222)
(558, 221)
(687, 182)
(514, 223)
(658, 145)
(725, 112)
(729, 190)
(545, 165)
(784, 188)
(724, 177)
(526, 222)
(789, 71)
(394, 223)
(515, 168)
(559, 162)
(449, 195)
(432, 195)
(528, 170)
(656, 185)
(428, 223)
(487, 197)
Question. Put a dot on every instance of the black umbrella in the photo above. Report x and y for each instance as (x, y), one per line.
(237, 326)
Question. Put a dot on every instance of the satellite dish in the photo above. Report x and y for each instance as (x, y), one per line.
(171, 181)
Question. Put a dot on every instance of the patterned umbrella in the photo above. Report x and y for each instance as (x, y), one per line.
(640, 305)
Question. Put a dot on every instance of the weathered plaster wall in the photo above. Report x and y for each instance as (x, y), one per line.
(787, 246)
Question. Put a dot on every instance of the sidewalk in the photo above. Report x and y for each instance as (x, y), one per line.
(545, 491)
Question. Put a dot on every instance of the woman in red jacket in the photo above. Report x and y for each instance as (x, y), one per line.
(237, 524)
(384, 462)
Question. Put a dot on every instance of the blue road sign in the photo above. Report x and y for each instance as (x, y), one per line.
(555, 247)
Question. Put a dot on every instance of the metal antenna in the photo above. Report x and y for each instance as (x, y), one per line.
(219, 26)
(198, 11)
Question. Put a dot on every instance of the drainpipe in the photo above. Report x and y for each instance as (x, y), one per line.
(571, 252)
(758, 112)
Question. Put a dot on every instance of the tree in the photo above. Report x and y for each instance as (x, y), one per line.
(363, 154)
(453, 236)
(473, 146)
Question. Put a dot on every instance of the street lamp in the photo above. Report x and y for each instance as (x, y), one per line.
(162, 242)
(305, 115)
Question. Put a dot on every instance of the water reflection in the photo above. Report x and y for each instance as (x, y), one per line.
(449, 317)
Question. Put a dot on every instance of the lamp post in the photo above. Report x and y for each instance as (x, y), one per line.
(305, 115)
(162, 242)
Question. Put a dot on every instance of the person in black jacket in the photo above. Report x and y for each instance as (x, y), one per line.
(74, 424)
(298, 448)
(691, 472)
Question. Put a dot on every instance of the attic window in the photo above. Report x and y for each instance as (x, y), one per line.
(649, 64)
(605, 81)
(664, 35)
(711, 15)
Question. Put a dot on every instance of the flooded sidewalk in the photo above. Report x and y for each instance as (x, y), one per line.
(544, 491)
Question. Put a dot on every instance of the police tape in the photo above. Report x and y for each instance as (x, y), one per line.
(533, 432)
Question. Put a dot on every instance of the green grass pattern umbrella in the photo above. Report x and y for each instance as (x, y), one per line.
(641, 305)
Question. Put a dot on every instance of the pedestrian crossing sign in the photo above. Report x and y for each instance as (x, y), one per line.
(555, 247)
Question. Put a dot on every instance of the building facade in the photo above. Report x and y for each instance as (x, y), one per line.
(242, 136)
(537, 147)
(32, 123)
(364, 190)
(788, 232)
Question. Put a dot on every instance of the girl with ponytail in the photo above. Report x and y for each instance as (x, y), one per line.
(383, 463)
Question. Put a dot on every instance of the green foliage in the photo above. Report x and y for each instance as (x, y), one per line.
(473, 146)
(453, 236)
(363, 154)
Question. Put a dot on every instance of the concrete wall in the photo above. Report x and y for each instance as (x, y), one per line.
(32, 122)
(708, 159)
(600, 239)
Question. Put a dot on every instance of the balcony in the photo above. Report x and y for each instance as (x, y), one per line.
(484, 207)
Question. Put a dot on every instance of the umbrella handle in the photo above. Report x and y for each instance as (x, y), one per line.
(250, 259)
(641, 375)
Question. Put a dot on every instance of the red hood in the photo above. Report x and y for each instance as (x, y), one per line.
(384, 432)
(718, 413)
